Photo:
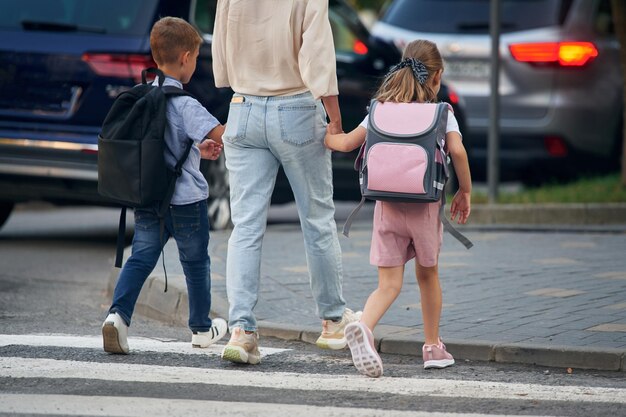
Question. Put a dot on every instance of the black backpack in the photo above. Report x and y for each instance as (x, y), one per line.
(131, 152)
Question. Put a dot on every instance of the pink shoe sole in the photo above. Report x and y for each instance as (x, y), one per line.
(364, 356)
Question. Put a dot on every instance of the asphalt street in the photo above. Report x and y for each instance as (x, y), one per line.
(54, 269)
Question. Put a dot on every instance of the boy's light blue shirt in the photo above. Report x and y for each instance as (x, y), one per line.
(186, 119)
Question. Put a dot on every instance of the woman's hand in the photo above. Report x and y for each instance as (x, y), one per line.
(334, 128)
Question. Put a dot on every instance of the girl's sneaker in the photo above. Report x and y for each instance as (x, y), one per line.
(215, 333)
(436, 356)
(364, 355)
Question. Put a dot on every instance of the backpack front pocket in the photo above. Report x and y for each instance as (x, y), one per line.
(396, 167)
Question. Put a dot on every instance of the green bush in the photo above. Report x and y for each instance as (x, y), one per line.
(604, 189)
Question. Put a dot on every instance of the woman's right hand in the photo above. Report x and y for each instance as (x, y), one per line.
(330, 140)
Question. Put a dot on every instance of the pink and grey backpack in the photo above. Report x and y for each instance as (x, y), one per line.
(403, 158)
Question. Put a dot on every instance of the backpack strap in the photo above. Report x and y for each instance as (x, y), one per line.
(449, 227)
(178, 170)
(350, 219)
(157, 72)
(121, 234)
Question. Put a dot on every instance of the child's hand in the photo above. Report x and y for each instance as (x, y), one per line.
(209, 149)
(344, 142)
(460, 205)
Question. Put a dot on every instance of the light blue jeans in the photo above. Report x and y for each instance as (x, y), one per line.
(261, 134)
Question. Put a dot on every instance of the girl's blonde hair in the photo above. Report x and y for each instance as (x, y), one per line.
(402, 86)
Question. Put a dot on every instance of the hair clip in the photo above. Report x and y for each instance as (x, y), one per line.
(417, 67)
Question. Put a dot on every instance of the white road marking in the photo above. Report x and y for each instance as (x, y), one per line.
(16, 404)
(58, 369)
(137, 344)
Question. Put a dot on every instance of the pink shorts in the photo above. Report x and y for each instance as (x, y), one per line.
(403, 231)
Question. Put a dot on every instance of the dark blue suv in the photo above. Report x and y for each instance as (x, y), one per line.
(62, 63)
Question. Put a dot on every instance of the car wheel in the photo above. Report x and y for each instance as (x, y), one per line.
(6, 207)
(218, 202)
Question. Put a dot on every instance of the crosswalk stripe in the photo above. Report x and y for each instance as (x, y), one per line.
(16, 404)
(137, 344)
(14, 367)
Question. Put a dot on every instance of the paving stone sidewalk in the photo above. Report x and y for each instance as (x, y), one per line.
(548, 298)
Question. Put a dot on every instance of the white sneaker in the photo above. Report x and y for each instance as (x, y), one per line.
(332, 336)
(215, 333)
(115, 334)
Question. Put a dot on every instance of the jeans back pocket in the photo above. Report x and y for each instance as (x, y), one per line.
(297, 123)
(237, 122)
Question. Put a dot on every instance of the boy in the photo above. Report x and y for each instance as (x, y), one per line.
(175, 47)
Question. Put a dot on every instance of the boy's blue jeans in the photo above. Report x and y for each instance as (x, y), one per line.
(189, 225)
(263, 133)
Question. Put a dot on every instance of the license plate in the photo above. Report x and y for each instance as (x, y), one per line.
(474, 69)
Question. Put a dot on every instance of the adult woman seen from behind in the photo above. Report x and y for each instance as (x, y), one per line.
(278, 57)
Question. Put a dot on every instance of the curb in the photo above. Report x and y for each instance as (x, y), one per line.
(550, 214)
(154, 303)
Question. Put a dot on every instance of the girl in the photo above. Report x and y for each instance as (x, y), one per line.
(403, 231)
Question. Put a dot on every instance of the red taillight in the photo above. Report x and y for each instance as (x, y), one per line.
(359, 48)
(555, 146)
(454, 97)
(568, 54)
(119, 65)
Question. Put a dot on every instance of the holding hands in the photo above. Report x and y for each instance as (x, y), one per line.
(210, 149)
(344, 142)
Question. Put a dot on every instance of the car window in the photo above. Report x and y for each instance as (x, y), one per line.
(204, 15)
(342, 35)
(603, 22)
(472, 16)
(118, 17)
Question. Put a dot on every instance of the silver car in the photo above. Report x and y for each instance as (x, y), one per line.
(560, 80)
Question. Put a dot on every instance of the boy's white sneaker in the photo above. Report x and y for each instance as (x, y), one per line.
(215, 333)
(115, 334)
